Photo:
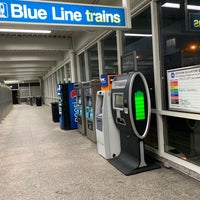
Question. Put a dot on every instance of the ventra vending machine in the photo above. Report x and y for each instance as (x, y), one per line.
(80, 107)
(90, 90)
(108, 138)
(67, 106)
(131, 110)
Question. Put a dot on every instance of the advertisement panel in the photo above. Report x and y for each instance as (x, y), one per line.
(72, 106)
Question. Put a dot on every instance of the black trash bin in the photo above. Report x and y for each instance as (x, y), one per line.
(38, 101)
(55, 111)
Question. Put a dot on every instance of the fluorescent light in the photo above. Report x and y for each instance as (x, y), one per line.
(177, 5)
(193, 7)
(11, 81)
(137, 35)
(24, 31)
(171, 5)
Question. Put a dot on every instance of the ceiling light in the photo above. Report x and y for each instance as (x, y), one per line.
(193, 7)
(171, 5)
(24, 31)
(137, 35)
(177, 5)
(11, 81)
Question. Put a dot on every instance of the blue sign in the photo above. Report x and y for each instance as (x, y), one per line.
(65, 14)
(104, 80)
(194, 21)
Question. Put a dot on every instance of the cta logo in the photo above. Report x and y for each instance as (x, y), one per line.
(173, 75)
(3, 10)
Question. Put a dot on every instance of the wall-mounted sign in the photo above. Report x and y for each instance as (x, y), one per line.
(194, 20)
(184, 89)
(61, 14)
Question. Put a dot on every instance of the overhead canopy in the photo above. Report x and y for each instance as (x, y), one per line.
(27, 56)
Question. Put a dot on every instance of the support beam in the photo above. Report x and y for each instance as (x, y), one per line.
(38, 69)
(8, 56)
(78, 68)
(87, 66)
(73, 66)
(21, 73)
(28, 64)
(34, 43)
(119, 51)
(100, 57)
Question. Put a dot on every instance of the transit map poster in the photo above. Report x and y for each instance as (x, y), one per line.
(184, 89)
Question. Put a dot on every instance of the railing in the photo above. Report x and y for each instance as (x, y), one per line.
(5, 100)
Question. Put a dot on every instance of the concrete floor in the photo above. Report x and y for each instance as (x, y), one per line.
(39, 161)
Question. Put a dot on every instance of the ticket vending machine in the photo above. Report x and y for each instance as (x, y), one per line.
(108, 138)
(80, 107)
(90, 90)
(67, 106)
(131, 110)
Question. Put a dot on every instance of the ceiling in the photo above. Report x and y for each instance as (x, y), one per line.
(31, 56)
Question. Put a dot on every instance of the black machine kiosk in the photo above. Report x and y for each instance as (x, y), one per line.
(131, 110)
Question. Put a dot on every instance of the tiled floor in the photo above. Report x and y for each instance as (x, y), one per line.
(39, 161)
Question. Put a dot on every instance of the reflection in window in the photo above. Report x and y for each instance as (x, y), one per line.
(82, 67)
(93, 62)
(152, 136)
(138, 55)
(110, 54)
(180, 48)
(138, 52)
(181, 45)
(68, 72)
(183, 138)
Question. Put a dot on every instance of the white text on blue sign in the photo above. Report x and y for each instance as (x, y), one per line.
(61, 14)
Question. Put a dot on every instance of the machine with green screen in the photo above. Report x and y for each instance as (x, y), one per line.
(139, 105)
(131, 110)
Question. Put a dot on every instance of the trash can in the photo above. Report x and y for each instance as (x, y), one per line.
(38, 101)
(55, 111)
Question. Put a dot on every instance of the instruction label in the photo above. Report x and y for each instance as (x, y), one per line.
(184, 89)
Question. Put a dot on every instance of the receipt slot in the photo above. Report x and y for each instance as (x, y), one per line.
(131, 110)
(108, 139)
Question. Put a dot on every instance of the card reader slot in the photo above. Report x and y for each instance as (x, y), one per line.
(120, 121)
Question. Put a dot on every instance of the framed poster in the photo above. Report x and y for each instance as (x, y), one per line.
(184, 89)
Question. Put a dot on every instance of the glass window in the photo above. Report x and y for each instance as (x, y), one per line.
(152, 136)
(180, 43)
(93, 62)
(183, 138)
(180, 48)
(61, 74)
(138, 52)
(138, 56)
(110, 54)
(82, 67)
(68, 72)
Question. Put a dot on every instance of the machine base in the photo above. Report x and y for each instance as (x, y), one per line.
(128, 165)
(81, 132)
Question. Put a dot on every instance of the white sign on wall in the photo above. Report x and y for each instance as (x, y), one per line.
(184, 89)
